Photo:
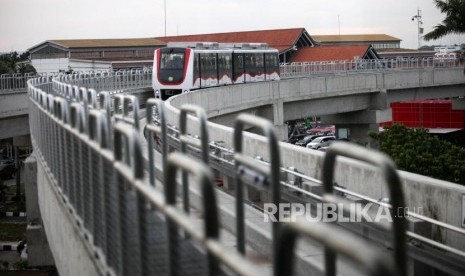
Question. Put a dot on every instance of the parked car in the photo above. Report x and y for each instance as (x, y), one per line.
(325, 145)
(320, 142)
(7, 168)
(295, 138)
(307, 139)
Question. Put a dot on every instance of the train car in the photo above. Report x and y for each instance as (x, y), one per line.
(184, 67)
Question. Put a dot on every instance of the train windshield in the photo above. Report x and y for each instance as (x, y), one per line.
(172, 60)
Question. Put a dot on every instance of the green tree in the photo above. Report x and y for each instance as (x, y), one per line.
(414, 150)
(14, 63)
(5, 67)
(454, 23)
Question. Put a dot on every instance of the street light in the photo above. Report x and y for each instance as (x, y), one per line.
(419, 23)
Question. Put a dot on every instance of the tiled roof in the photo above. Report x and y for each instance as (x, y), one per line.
(280, 39)
(329, 53)
(355, 38)
(104, 43)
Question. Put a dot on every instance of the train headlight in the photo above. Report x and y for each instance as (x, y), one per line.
(186, 91)
(157, 94)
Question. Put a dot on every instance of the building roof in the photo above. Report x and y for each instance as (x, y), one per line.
(355, 38)
(102, 43)
(330, 53)
(281, 39)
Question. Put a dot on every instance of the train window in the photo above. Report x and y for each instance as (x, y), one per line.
(172, 61)
(238, 61)
(224, 61)
(208, 62)
(249, 61)
(271, 63)
(259, 63)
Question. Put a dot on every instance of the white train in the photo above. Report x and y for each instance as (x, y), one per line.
(183, 67)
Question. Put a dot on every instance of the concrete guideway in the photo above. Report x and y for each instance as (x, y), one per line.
(255, 145)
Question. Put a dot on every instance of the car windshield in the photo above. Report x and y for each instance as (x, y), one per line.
(172, 60)
(318, 140)
(307, 138)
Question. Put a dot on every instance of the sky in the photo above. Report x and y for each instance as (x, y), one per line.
(26, 23)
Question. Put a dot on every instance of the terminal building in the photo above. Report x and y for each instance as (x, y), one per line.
(93, 54)
(294, 45)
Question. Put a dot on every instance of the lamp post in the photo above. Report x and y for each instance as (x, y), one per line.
(419, 23)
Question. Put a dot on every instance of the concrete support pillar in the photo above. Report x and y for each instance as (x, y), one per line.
(280, 127)
(251, 194)
(358, 133)
(39, 253)
(228, 183)
(359, 124)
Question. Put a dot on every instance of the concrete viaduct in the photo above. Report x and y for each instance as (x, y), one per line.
(357, 100)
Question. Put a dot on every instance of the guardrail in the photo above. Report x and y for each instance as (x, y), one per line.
(14, 82)
(108, 195)
(104, 80)
(126, 79)
(299, 69)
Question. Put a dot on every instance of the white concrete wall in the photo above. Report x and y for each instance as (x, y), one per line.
(50, 65)
(69, 250)
(64, 64)
(13, 104)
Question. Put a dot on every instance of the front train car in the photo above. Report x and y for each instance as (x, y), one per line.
(183, 67)
(171, 74)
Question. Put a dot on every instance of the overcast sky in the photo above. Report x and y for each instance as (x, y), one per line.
(25, 23)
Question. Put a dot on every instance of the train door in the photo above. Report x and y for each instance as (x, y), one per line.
(208, 70)
(250, 70)
(225, 69)
(259, 62)
(271, 66)
(238, 68)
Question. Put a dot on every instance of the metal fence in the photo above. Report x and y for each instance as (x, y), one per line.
(299, 69)
(136, 229)
(14, 82)
(127, 79)
(108, 81)
(104, 80)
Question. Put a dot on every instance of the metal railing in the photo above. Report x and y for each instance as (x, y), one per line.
(127, 79)
(104, 80)
(299, 69)
(133, 227)
(14, 82)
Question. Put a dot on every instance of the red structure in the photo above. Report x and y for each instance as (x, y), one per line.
(427, 114)
(436, 115)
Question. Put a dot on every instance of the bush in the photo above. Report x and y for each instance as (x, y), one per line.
(414, 150)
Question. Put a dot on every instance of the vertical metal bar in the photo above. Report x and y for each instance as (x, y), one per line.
(394, 185)
(61, 112)
(151, 103)
(200, 113)
(97, 134)
(131, 160)
(105, 105)
(267, 128)
(130, 100)
(78, 122)
(204, 177)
